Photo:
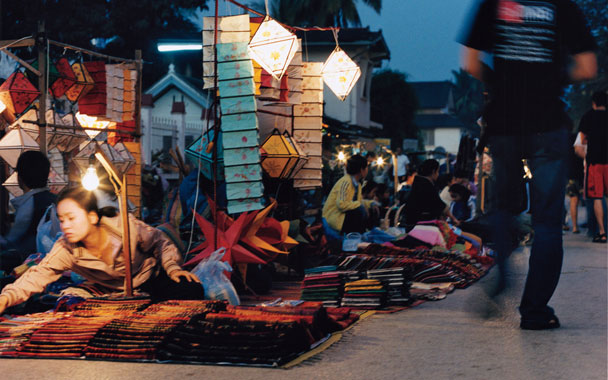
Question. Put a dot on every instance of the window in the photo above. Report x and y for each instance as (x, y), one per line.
(189, 139)
(429, 136)
(167, 143)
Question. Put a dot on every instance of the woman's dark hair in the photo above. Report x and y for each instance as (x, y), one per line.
(369, 187)
(444, 180)
(87, 200)
(370, 154)
(461, 190)
(355, 164)
(428, 167)
(33, 167)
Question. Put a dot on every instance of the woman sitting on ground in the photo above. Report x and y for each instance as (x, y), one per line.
(345, 210)
(423, 202)
(91, 246)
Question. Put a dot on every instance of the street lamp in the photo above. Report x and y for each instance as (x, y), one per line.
(90, 181)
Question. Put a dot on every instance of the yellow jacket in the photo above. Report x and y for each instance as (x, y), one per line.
(340, 200)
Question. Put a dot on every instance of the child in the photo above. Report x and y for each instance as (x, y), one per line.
(462, 205)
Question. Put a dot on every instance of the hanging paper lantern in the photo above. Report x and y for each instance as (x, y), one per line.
(12, 185)
(303, 158)
(115, 157)
(126, 155)
(14, 143)
(82, 159)
(53, 75)
(83, 84)
(340, 73)
(279, 156)
(66, 78)
(64, 140)
(273, 47)
(201, 149)
(17, 93)
(56, 182)
(92, 122)
(32, 129)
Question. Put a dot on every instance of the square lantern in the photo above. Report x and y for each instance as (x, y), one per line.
(56, 182)
(14, 143)
(87, 121)
(12, 185)
(65, 80)
(17, 93)
(201, 149)
(273, 47)
(340, 73)
(64, 140)
(83, 84)
(279, 156)
(126, 155)
(303, 158)
(32, 129)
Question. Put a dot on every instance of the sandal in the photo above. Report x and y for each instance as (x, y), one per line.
(527, 324)
(576, 231)
(599, 238)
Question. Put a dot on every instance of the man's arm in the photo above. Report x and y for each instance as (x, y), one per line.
(584, 66)
(580, 147)
(471, 62)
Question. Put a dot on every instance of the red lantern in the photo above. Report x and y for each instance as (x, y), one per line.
(66, 78)
(17, 93)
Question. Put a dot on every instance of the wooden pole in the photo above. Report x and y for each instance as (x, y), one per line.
(41, 46)
(138, 93)
(126, 243)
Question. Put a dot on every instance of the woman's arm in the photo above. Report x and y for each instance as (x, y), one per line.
(164, 250)
(35, 279)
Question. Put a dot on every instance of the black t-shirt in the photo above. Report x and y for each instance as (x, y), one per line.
(423, 203)
(576, 168)
(594, 125)
(529, 42)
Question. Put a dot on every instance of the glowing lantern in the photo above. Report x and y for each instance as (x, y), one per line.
(17, 93)
(83, 84)
(65, 140)
(14, 143)
(340, 73)
(279, 157)
(87, 121)
(66, 78)
(273, 47)
(341, 156)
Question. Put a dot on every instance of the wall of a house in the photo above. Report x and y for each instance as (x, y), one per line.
(448, 138)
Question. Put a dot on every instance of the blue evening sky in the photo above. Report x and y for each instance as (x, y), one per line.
(421, 34)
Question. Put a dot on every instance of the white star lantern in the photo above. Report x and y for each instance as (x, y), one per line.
(273, 47)
(340, 73)
(14, 143)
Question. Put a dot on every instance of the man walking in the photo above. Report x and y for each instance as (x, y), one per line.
(530, 44)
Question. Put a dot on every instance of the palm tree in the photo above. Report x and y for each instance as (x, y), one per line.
(341, 13)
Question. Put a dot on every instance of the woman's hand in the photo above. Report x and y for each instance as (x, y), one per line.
(175, 276)
(3, 304)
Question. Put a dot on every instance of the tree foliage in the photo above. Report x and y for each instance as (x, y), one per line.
(124, 25)
(393, 103)
(340, 13)
(579, 95)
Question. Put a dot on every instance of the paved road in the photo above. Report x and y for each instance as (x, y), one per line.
(447, 339)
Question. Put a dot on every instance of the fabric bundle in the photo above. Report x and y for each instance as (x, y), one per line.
(16, 331)
(258, 336)
(364, 294)
(137, 337)
(324, 287)
(397, 282)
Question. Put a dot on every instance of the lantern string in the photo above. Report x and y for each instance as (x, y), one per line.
(335, 33)
(267, 12)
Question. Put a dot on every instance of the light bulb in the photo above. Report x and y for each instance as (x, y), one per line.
(90, 181)
(341, 156)
(380, 161)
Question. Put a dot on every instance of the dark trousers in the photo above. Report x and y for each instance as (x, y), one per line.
(354, 221)
(162, 288)
(547, 154)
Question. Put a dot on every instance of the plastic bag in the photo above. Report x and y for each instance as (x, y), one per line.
(49, 230)
(211, 273)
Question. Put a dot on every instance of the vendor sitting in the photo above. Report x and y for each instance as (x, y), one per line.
(92, 247)
(424, 202)
(32, 173)
(345, 209)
